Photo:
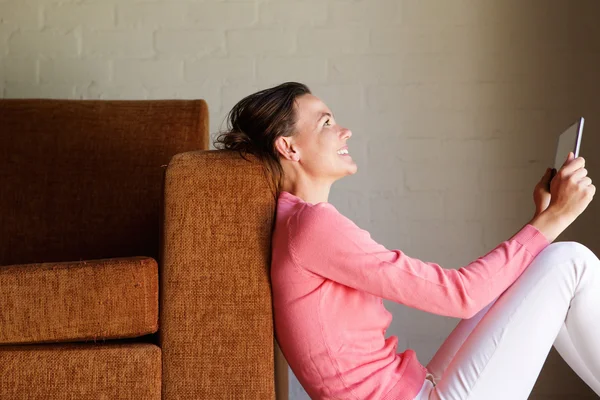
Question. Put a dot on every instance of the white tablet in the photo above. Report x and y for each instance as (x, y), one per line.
(569, 140)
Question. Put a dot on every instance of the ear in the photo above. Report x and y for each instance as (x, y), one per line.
(284, 147)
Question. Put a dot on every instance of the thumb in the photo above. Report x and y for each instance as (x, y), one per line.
(570, 157)
(547, 175)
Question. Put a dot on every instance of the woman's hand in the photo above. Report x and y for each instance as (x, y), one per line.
(541, 195)
(571, 189)
(571, 192)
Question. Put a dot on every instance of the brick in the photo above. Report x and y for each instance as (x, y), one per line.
(392, 236)
(369, 123)
(510, 178)
(363, 13)
(350, 202)
(293, 14)
(338, 97)
(260, 41)
(432, 178)
(478, 67)
(111, 92)
(383, 98)
(333, 41)
(517, 152)
(74, 71)
(411, 97)
(19, 70)
(391, 207)
(118, 43)
(372, 69)
(500, 231)
(209, 91)
(69, 16)
(16, 14)
(463, 153)
(489, 206)
(5, 32)
(231, 94)
(190, 43)
(458, 12)
(458, 243)
(274, 69)
(46, 43)
(152, 15)
(230, 69)
(46, 91)
(222, 15)
(512, 122)
(441, 124)
(150, 73)
(388, 157)
(428, 326)
(416, 39)
(397, 151)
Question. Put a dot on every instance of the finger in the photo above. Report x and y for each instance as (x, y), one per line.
(586, 181)
(572, 166)
(578, 175)
(546, 175)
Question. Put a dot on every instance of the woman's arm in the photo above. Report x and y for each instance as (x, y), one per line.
(329, 245)
(550, 223)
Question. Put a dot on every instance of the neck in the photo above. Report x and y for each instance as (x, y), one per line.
(310, 193)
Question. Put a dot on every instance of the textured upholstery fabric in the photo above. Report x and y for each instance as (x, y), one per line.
(215, 302)
(81, 179)
(80, 206)
(129, 371)
(93, 219)
(80, 300)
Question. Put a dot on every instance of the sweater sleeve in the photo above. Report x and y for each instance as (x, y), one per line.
(327, 244)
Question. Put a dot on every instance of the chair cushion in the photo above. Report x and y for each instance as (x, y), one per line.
(82, 179)
(78, 301)
(80, 371)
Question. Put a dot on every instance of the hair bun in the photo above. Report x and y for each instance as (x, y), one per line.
(238, 141)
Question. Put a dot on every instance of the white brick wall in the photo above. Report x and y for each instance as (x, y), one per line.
(453, 104)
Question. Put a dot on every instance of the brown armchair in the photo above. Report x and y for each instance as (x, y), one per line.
(120, 277)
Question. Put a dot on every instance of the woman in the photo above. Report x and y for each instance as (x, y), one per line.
(329, 276)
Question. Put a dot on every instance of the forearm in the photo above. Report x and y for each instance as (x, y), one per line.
(550, 223)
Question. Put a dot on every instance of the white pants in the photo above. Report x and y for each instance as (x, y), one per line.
(499, 353)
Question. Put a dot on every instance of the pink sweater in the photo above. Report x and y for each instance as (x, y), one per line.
(329, 278)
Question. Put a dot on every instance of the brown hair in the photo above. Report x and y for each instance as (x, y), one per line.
(256, 121)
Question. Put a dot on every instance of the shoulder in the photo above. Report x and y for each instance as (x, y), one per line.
(314, 215)
(318, 221)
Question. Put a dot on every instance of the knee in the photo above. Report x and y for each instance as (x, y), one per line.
(569, 250)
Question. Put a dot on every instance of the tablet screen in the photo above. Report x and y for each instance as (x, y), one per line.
(569, 140)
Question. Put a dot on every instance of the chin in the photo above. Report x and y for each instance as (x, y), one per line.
(351, 170)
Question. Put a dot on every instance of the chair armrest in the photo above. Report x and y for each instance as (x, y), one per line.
(216, 310)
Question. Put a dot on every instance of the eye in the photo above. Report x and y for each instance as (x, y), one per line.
(326, 121)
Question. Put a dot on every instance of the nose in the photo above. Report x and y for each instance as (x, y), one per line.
(346, 133)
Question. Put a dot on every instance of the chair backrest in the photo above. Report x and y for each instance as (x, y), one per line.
(82, 179)
(216, 308)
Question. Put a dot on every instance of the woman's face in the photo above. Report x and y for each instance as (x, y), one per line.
(318, 139)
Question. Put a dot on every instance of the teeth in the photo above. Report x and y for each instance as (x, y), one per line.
(345, 151)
